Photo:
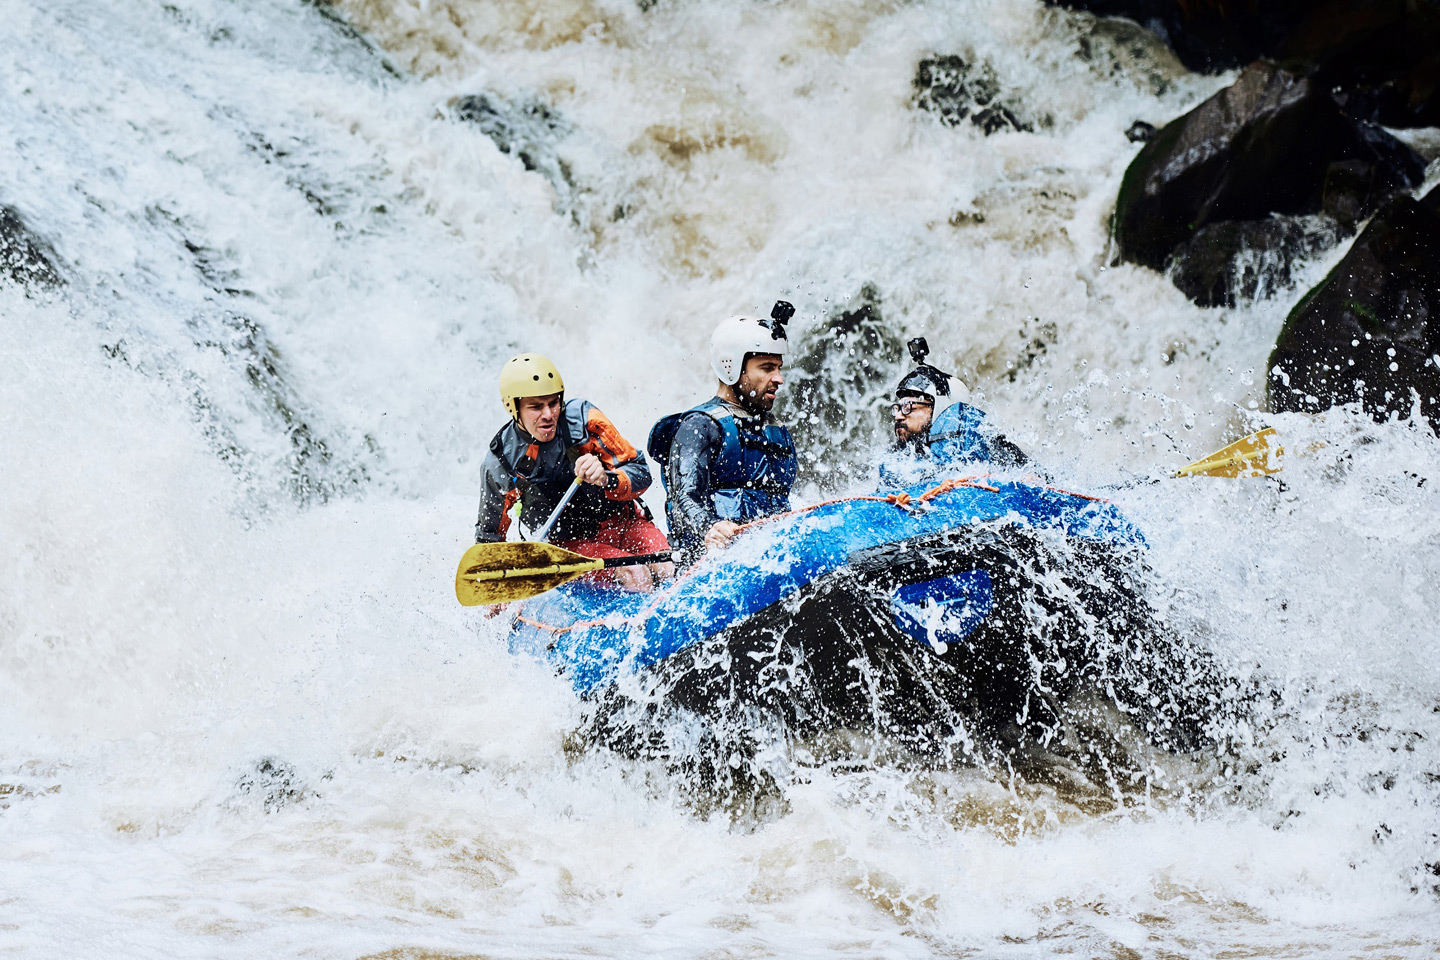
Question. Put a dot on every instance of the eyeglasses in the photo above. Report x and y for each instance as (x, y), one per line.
(906, 407)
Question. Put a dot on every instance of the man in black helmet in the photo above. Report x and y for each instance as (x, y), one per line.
(959, 433)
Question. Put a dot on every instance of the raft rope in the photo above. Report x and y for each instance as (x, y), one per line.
(901, 500)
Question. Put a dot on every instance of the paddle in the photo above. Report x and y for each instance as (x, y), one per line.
(502, 572)
(1249, 456)
(544, 531)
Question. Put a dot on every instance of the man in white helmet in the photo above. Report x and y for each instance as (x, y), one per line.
(726, 461)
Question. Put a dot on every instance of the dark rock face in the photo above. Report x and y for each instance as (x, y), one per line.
(1242, 260)
(1116, 49)
(1383, 56)
(845, 364)
(1270, 143)
(524, 129)
(24, 257)
(1207, 36)
(1371, 330)
(956, 90)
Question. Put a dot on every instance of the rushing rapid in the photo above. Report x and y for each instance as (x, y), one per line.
(242, 414)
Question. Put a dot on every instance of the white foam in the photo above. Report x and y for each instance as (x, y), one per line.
(227, 543)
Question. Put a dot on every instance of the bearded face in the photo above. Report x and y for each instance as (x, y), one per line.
(911, 419)
(759, 382)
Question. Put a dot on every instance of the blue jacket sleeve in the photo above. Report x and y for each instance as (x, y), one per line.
(963, 434)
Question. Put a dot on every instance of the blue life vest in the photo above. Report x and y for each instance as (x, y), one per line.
(960, 435)
(753, 469)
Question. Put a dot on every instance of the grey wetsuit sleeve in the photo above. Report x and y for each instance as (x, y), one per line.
(692, 457)
(494, 484)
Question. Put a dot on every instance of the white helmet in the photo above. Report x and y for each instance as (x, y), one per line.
(733, 339)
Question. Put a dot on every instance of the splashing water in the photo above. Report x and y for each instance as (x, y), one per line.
(240, 713)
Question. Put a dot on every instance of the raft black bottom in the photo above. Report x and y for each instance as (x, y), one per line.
(1069, 630)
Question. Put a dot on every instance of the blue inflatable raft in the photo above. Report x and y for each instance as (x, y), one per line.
(960, 608)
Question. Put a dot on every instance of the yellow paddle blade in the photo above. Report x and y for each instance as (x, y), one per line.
(1250, 456)
(501, 572)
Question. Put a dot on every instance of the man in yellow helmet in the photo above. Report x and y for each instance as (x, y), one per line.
(548, 443)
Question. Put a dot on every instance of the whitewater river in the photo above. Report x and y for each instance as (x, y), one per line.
(241, 714)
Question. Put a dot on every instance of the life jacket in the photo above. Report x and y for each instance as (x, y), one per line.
(959, 434)
(753, 469)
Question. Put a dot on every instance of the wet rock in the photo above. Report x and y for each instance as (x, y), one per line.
(956, 90)
(1035, 337)
(292, 448)
(24, 257)
(1348, 191)
(273, 784)
(351, 39)
(1141, 132)
(1382, 56)
(1370, 331)
(1207, 36)
(838, 387)
(313, 474)
(525, 129)
(1264, 145)
(1244, 260)
(1117, 49)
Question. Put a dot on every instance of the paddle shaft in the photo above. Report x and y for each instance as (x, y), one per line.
(666, 557)
(544, 531)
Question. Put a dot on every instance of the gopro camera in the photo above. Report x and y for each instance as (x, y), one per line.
(780, 315)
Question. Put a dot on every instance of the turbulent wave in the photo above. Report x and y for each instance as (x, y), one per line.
(242, 404)
(1072, 675)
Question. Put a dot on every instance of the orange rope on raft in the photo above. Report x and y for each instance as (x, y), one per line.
(1082, 496)
(577, 625)
(901, 500)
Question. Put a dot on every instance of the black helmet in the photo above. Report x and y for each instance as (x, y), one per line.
(924, 380)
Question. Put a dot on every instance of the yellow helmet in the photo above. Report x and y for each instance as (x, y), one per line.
(528, 375)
